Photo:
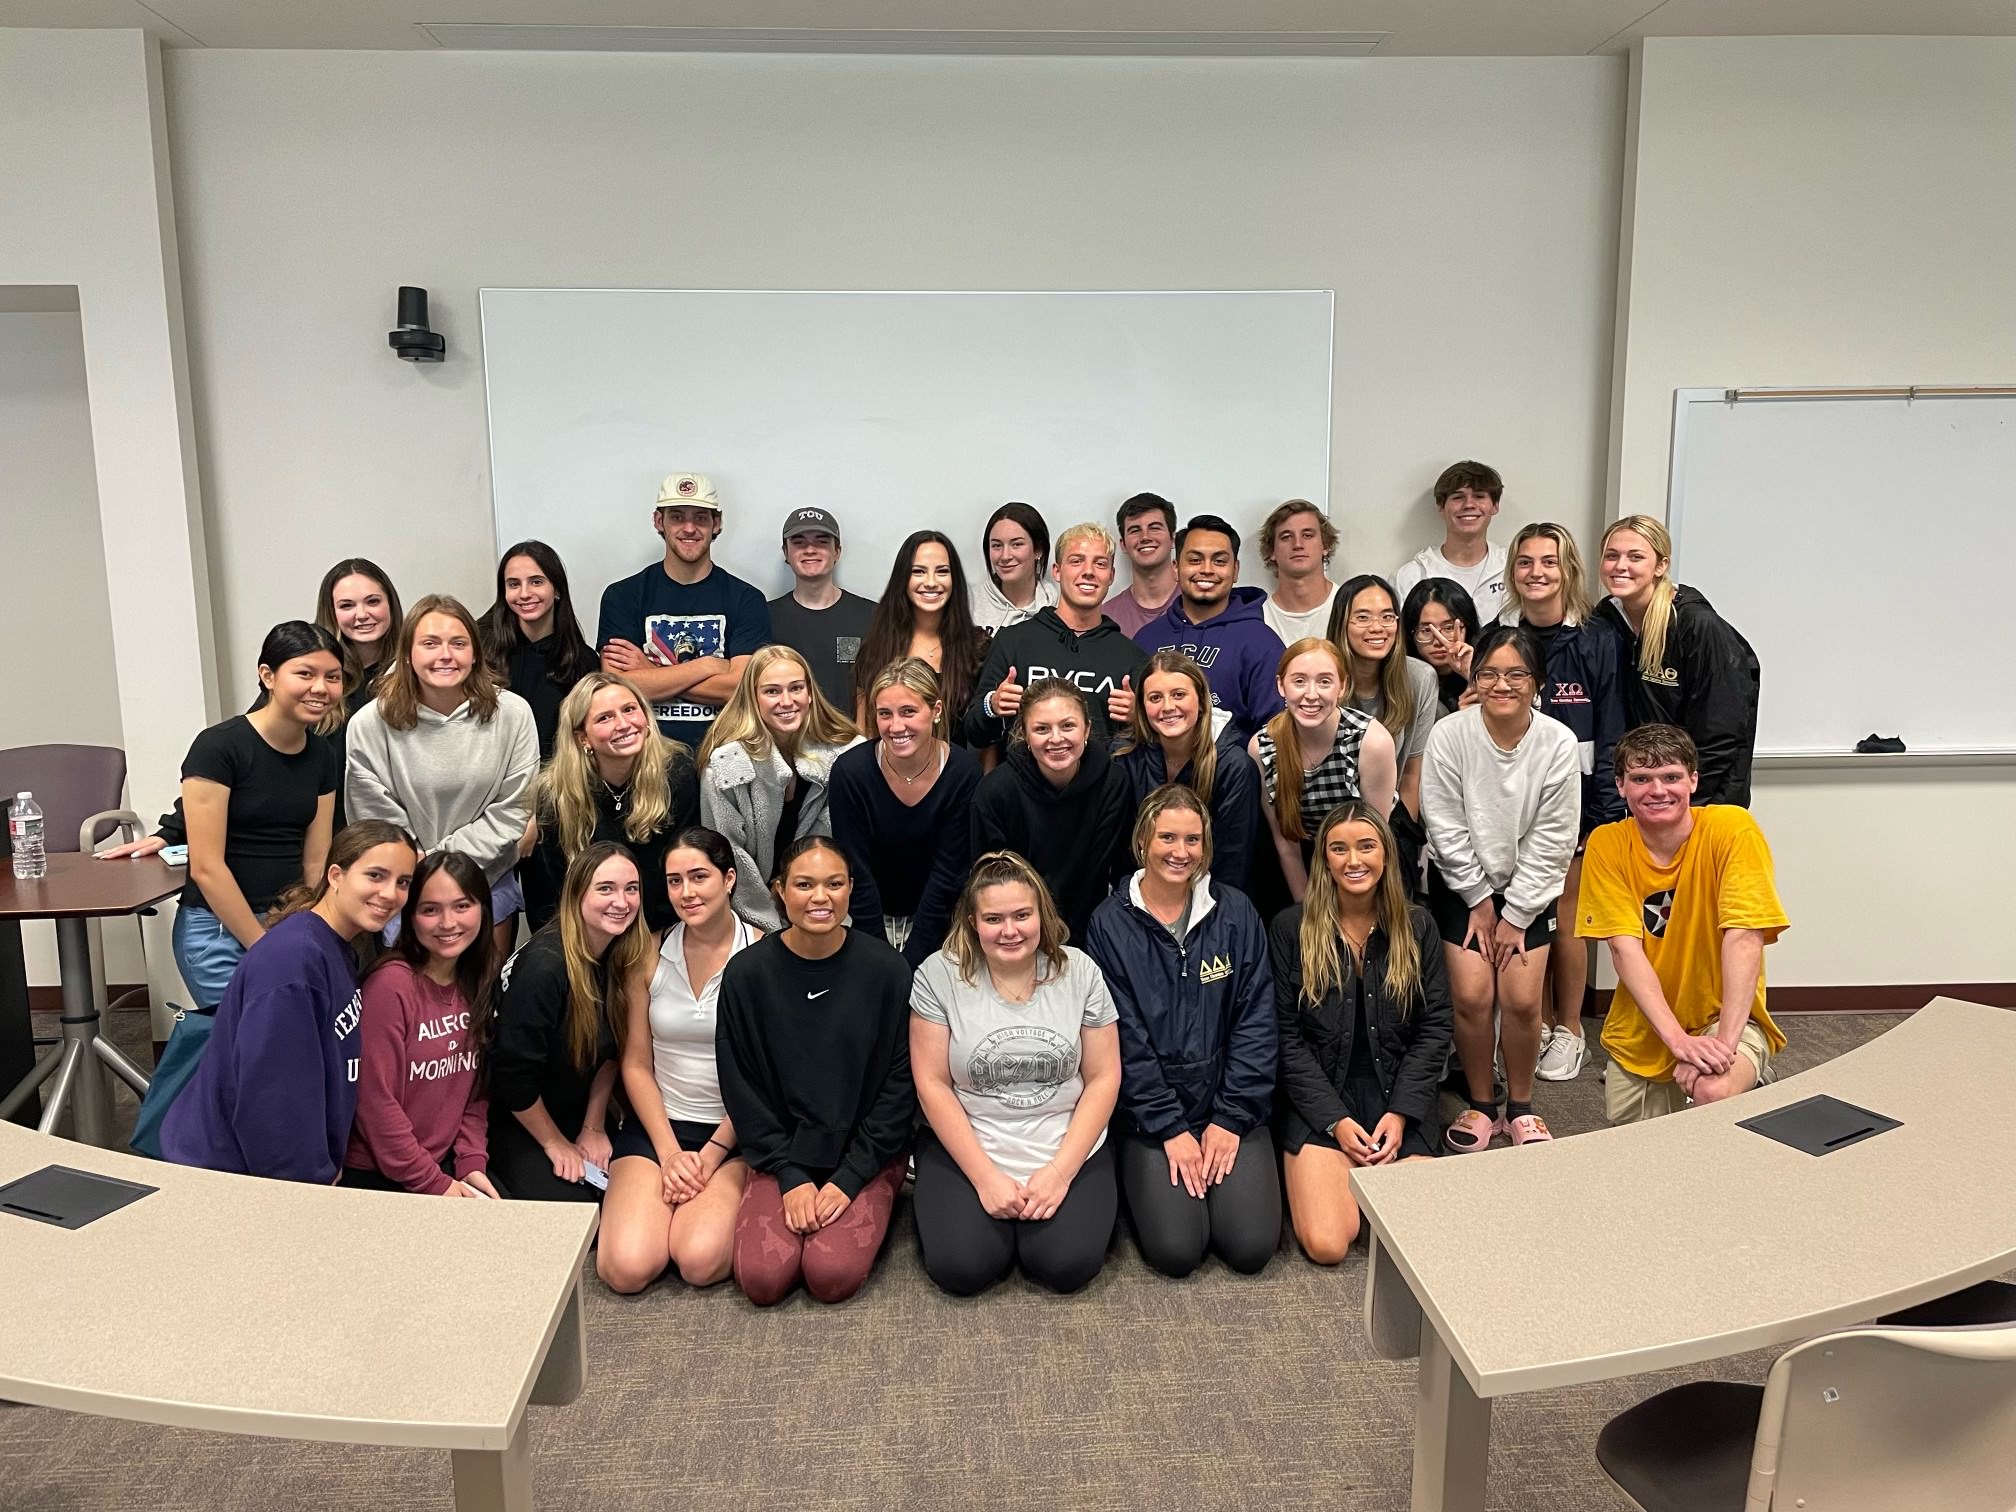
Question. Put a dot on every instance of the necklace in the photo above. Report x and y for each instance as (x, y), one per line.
(889, 763)
(1357, 941)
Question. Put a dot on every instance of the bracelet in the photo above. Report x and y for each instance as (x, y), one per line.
(719, 1146)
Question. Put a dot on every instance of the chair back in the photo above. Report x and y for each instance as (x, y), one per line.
(71, 783)
(1876, 1419)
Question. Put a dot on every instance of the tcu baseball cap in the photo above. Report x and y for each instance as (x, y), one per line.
(810, 519)
(688, 488)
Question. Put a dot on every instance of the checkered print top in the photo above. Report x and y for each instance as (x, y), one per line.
(1335, 779)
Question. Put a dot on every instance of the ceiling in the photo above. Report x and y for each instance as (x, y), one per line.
(1274, 28)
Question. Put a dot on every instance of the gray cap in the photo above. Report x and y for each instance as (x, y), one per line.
(800, 520)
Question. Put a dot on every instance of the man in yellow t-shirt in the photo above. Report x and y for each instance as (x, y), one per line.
(1684, 896)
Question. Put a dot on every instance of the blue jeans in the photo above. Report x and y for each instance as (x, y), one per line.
(206, 953)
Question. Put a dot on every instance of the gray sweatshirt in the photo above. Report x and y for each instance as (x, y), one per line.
(743, 799)
(456, 782)
(1502, 821)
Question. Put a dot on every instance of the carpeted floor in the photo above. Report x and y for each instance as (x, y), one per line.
(1217, 1392)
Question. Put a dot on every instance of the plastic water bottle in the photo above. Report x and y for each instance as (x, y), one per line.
(24, 831)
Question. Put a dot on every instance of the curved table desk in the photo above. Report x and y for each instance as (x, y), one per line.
(1715, 1239)
(305, 1312)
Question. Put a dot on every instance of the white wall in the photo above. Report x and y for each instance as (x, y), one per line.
(1834, 211)
(1463, 209)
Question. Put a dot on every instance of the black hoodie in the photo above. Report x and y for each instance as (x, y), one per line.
(1093, 661)
(1708, 688)
(1079, 836)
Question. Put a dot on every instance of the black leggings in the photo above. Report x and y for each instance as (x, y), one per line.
(966, 1250)
(520, 1167)
(1240, 1218)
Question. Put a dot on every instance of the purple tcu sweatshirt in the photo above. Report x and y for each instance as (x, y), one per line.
(277, 1088)
(1239, 652)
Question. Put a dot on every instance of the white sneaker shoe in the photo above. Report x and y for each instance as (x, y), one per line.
(1561, 1054)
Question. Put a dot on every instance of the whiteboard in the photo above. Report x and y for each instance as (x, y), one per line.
(1864, 546)
(896, 411)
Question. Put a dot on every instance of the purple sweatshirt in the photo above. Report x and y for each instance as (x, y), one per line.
(1239, 652)
(277, 1087)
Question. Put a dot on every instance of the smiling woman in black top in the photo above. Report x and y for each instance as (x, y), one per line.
(531, 636)
(813, 1047)
(553, 1065)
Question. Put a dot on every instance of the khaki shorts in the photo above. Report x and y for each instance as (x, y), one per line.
(1633, 1099)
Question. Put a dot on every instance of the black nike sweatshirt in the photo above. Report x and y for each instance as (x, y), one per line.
(1079, 836)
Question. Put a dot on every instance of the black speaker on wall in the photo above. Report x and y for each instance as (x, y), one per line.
(413, 341)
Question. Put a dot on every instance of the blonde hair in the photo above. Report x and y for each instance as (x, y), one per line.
(1575, 605)
(917, 675)
(1659, 612)
(741, 722)
(1004, 869)
(399, 685)
(1170, 796)
(1202, 755)
(1325, 966)
(1281, 731)
(595, 987)
(1285, 511)
(1396, 692)
(1089, 531)
(563, 795)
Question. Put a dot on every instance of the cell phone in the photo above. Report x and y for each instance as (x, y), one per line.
(594, 1175)
(175, 855)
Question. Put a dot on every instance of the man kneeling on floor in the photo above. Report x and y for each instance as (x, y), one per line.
(1684, 896)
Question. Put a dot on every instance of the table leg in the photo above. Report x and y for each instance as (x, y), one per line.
(1392, 1315)
(17, 1034)
(565, 1367)
(1452, 1433)
(80, 1024)
(494, 1480)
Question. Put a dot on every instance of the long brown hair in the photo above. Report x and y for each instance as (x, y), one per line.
(476, 967)
(1004, 869)
(354, 673)
(563, 794)
(349, 844)
(1396, 693)
(740, 722)
(595, 987)
(399, 685)
(962, 644)
(1202, 755)
(1326, 966)
(1659, 612)
(1287, 746)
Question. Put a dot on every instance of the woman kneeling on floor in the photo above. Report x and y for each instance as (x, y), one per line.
(1017, 1065)
(813, 1049)
(1362, 996)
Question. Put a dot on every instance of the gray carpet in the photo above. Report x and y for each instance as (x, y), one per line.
(1214, 1392)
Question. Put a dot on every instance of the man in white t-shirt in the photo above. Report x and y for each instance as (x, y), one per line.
(1467, 496)
(1296, 543)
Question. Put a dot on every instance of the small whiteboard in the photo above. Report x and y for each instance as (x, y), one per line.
(896, 411)
(1864, 545)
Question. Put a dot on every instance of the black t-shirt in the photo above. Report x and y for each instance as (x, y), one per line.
(530, 1058)
(828, 639)
(273, 799)
(529, 675)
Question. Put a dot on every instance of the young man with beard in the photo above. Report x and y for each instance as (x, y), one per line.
(1686, 901)
(1296, 542)
(1147, 526)
(1072, 639)
(1220, 626)
(682, 628)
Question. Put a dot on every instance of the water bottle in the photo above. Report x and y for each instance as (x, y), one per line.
(24, 831)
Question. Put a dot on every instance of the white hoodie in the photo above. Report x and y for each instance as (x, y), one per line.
(993, 613)
(1502, 821)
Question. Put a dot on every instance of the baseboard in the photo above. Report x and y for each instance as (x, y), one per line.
(1899, 998)
(50, 999)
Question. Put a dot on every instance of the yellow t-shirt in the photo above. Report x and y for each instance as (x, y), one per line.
(1721, 879)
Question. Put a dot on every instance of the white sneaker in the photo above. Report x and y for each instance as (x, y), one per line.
(1561, 1054)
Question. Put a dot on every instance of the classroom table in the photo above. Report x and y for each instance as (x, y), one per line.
(1701, 1239)
(77, 889)
(299, 1311)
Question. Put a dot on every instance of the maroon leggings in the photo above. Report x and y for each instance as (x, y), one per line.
(833, 1262)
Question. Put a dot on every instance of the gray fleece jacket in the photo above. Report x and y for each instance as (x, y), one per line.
(744, 798)
(456, 782)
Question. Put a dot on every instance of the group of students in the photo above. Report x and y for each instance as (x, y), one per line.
(1012, 939)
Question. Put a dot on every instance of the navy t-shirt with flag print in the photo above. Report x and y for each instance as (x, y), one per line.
(675, 622)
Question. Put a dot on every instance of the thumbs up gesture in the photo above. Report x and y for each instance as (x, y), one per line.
(1120, 703)
(1007, 697)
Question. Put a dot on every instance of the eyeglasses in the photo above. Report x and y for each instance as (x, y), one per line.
(1364, 618)
(1430, 635)
(1491, 677)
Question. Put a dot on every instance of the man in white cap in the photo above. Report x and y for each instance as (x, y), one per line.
(818, 619)
(682, 628)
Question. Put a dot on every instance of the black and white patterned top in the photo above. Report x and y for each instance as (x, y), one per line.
(1335, 779)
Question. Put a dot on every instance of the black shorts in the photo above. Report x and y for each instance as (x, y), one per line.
(1452, 915)
(1414, 1142)
(632, 1139)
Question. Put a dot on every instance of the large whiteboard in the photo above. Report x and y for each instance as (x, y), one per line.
(896, 411)
(1863, 545)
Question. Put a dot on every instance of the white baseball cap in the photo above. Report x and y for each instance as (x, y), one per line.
(688, 488)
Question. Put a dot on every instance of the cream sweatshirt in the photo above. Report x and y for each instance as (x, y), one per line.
(1502, 821)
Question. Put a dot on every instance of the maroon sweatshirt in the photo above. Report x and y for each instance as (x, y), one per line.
(416, 1091)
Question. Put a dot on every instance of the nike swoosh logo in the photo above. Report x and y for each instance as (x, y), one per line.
(819, 994)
